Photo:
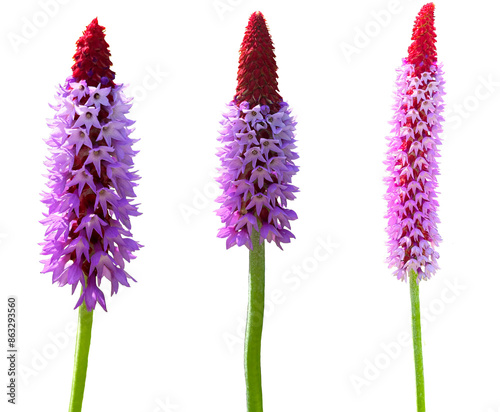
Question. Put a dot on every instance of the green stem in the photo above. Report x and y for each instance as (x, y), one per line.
(255, 320)
(417, 341)
(81, 357)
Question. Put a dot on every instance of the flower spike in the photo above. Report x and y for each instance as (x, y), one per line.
(412, 156)
(91, 180)
(257, 159)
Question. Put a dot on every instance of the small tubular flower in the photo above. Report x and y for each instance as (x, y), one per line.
(90, 177)
(412, 156)
(257, 156)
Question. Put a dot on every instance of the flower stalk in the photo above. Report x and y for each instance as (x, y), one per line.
(255, 321)
(417, 341)
(83, 336)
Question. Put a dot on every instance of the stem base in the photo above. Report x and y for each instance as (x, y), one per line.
(82, 348)
(417, 341)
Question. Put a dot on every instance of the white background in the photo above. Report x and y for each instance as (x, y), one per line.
(172, 342)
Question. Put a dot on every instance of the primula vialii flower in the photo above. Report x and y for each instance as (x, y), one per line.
(412, 154)
(90, 177)
(258, 152)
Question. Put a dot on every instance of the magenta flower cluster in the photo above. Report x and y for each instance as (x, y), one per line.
(91, 184)
(257, 160)
(413, 169)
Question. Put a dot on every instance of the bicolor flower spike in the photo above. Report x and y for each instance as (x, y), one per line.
(257, 156)
(91, 180)
(411, 158)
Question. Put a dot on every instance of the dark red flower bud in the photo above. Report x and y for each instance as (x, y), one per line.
(257, 70)
(92, 57)
(422, 52)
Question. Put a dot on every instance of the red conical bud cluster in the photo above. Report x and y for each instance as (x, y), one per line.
(92, 62)
(257, 70)
(422, 52)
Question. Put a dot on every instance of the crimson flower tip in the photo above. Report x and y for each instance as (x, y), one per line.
(422, 51)
(257, 15)
(92, 57)
(257, 70)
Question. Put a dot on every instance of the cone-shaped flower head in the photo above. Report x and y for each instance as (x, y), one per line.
(258, 148)
(257, 71)
(413, 149)
(92, 57)
(90, 177)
